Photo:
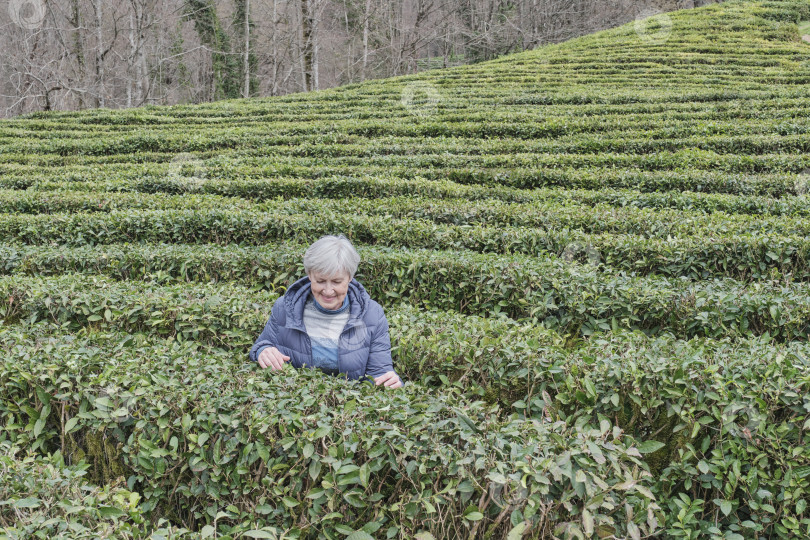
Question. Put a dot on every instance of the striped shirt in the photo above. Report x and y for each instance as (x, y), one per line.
(324, 327)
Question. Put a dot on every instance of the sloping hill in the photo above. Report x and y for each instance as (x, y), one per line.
(593, 256)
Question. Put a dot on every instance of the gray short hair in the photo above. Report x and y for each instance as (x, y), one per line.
(331, 255)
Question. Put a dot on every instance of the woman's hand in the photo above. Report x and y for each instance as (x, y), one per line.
(272, 358)
(389, 379)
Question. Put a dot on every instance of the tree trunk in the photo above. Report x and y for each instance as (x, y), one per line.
(306, 45)
(99, 14)
(274, 48)
(314, 43)
(78, 45)
(132, 53)
(366, 17)
(246, 92)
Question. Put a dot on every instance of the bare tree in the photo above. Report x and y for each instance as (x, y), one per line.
(366, 23)
(73, 54)
(246, 59)
(140, 23)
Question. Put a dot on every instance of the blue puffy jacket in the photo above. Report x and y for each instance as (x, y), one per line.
(364, 348)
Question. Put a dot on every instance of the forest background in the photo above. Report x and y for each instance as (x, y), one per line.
(79, 54)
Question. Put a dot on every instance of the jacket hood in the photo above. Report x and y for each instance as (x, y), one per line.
(298, 293)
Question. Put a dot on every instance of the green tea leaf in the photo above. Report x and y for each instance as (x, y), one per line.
(30, 502)
(517, 531)
(71, 423)
(648, 447)
(110, 511)
(258, 533)
(725, 506)
(359, 535)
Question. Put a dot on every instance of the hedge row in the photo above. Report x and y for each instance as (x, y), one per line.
(165, 311)
(302, 120)
(221, 314)
(686, 158)
(464, 169)
(246, 173)
(630, 129)
(42, 497)
(38, 197)
(749, 406)
(52, 202)
(307, 454)
(169, 311)
(303, 126)
(624, 128)
(264, 189)
(556, 213)
(727, 419)
(592, 218)
(745, 257)
(305, 116)
(538, 136)
(570, 298)
(773, 184)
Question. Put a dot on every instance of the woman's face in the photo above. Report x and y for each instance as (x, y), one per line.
(329, 291)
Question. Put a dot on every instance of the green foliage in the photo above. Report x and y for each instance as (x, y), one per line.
(210, 440)
(575, 299)
(41, 497)
(593, 257)
(710, 247)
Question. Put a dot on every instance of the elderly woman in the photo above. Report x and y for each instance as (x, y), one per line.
(327, 320)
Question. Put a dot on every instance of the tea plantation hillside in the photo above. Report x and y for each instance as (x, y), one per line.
(594, 258)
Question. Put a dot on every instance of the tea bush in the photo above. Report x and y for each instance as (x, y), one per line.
(202, 435)
(593, 257)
